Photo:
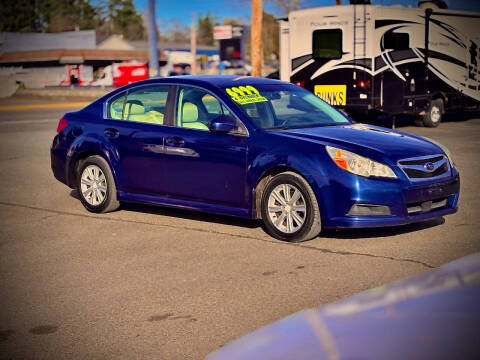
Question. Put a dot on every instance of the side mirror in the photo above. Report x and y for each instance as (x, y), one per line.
(222, 124)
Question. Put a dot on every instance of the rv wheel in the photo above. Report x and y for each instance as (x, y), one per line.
(433, 116)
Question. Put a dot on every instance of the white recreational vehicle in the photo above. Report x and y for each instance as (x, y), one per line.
(370, 59)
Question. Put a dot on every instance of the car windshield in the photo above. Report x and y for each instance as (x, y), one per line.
(284, 107)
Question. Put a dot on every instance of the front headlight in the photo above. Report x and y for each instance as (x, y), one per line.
(359, 165)
(447, 152)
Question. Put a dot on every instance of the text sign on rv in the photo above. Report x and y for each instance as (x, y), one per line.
(332, 94)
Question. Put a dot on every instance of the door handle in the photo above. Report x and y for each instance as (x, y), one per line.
(111, 133)
(175, 141)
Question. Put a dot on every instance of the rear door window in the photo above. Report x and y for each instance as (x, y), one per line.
(145, 104)
(115, 107)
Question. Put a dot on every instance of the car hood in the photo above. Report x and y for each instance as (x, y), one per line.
(367, 140)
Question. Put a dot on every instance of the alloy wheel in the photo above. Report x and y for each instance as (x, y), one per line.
(287, 208)
(93, 185)
(435, 114)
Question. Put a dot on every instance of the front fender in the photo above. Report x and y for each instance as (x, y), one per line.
(309, 164)
(88, 145)
(264, 162)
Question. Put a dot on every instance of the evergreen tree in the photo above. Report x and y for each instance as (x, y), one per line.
(62, 15)
(47, 15)
(270, 35)
(19, 16)
(124, 19)
(106, 16)
(87, 15)
(205, 29)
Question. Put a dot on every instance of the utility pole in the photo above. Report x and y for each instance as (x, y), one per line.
(256, 37)
(152, 40)
(193, 45)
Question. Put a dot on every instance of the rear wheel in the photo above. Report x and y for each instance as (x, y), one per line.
(96, 185)
(289, 208)
(433, 116)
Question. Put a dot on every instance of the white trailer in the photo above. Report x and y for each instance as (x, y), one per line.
(369, 59)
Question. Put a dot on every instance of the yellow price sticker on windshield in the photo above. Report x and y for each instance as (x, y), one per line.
(245, 95)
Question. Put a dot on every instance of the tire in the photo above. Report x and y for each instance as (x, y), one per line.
(96, 185)
(433, 116)
(419, 122)
(287, 223)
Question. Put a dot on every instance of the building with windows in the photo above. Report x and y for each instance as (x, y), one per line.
(78, 57)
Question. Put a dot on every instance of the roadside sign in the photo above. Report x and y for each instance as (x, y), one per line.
(226, 32)
(222, 32)
(237, 31)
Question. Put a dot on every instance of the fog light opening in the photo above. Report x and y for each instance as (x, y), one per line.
(369, 210)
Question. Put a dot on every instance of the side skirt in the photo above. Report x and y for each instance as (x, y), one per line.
(185, 204)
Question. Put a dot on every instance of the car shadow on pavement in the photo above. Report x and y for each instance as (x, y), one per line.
(191, 215)
(381, 231)
(185, 214)
(253, 224)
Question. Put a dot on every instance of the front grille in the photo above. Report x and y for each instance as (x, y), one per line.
(425, 167)
(421, 161)
(420, 174)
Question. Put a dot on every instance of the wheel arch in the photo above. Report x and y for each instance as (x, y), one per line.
(82, 151)
(262, 182)
(440, 95)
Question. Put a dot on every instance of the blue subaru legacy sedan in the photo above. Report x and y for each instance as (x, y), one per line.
(249, 147)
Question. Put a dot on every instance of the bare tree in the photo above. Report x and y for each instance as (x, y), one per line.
(286, 6)
(177, 31)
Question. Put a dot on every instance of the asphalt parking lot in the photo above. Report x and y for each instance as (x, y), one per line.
(150, 282)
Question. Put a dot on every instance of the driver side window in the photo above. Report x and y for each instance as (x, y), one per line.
(196, 108)
(212, 105)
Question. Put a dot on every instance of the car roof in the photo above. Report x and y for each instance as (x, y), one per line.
(210, 82)
(218, 80)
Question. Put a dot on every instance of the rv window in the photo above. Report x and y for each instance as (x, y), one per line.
(396, 41)
(327, 44)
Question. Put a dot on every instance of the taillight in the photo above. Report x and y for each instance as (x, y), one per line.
(300, 83)
(62, 124)
(363, 84)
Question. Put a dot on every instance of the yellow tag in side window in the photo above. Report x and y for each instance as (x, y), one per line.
(245, 94)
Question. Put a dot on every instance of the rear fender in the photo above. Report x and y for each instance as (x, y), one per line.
(85, 146)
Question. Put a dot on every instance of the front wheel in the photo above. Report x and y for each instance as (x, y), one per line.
(289, 208)
(96, 185)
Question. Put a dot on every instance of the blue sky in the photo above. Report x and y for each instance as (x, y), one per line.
(181, 10)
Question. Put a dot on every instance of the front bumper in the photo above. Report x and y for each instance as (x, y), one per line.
(408, 203)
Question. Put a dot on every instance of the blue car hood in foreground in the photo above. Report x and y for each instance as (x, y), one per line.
(434, 315)
(368, 140)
